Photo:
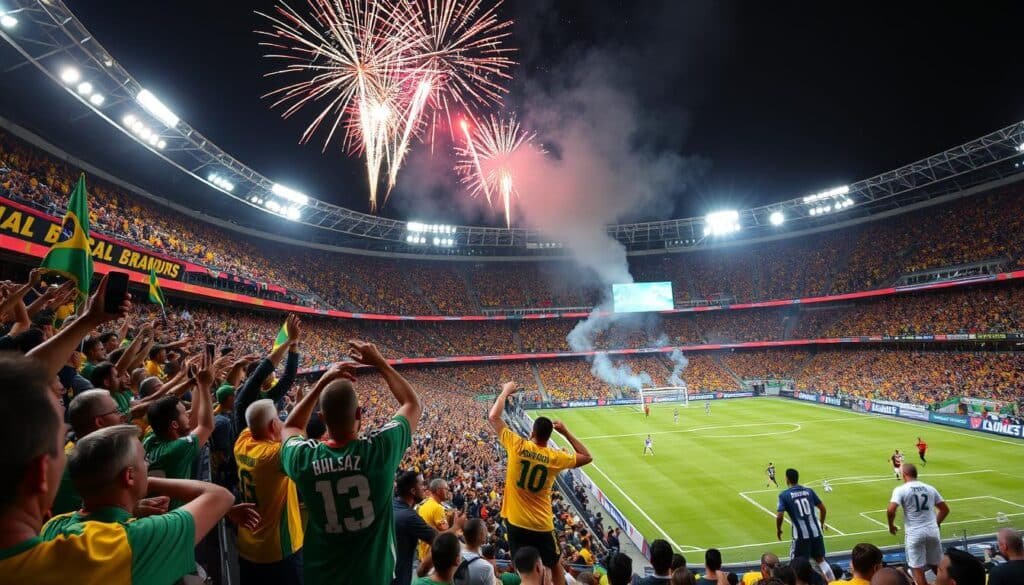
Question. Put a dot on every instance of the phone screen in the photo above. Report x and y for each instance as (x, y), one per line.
(117, 289)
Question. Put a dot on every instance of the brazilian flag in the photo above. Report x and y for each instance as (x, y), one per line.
(70, 256)
(282, 336)
(156, 294)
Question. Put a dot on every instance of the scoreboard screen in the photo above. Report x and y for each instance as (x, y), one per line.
(642, 297)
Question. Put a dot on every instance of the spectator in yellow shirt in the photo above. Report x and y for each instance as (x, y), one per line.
(433, 513)
(768, 563)
(866, 560)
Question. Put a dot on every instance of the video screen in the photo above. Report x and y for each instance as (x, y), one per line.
(641, 297)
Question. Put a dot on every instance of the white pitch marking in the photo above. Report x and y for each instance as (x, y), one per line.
(639, 509)
(712, 428)
(784, 517)
(869, 518)
(918, 424)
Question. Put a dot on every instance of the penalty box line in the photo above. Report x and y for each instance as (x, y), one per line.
(866, 516)
(785, 517)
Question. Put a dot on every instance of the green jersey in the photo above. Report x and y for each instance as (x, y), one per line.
(123, 401)
(109, 546)
(173, 459)
(347, 489)
(429, 581)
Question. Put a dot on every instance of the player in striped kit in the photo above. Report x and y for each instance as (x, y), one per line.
(808, 541)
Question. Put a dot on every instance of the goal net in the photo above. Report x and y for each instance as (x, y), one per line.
(666, 394)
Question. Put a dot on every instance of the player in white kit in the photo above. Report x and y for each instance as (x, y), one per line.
(923, 513)
(649, 445)
(707, 407)
(675, 415)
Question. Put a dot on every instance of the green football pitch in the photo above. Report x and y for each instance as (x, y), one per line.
(706, 485)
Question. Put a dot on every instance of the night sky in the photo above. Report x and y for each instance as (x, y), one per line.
(778, 99)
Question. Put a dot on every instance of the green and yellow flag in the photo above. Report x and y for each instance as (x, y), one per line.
(156, 294)
(70, 256)
(282, 336)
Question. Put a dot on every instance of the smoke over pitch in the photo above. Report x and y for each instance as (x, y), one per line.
(599, 168)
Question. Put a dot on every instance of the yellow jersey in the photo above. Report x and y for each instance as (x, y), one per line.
(262, 481)
(528, 480)
(752, 578)
(107, 546)
(155, 369)
(433, 513)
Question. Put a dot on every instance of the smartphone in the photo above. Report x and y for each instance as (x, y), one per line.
(211, 349)
(117, 289)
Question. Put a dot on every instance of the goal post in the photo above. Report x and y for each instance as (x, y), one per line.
(663, 395)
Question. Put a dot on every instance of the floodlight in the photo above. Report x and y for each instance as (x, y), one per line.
(8, 21)
(70, 75)
(153, 139)
(437, 241)
(161, 145)
(1020, 147)
(137, 126)
(721, 223)
(157, 108)
(97, 99)
(128, 120)
(777, 218)
(289, 194)
(292, 213)
(85, 88)
(145, 133)
(273, 206)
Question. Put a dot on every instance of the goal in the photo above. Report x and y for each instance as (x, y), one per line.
(663, 395)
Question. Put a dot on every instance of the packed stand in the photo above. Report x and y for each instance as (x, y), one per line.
(916, 377)
(779, 364)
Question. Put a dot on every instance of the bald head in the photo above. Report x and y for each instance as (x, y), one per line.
(1010, 544)
(909, 471)
(339, 408)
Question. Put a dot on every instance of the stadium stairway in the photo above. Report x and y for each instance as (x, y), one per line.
(721, 363)
(540, 383)
(468, 281)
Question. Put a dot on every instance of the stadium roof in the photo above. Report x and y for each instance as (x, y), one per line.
(50, 37)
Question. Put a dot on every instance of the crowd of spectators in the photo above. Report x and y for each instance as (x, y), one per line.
(746, 325)
(864, 257)
(915, 376)
(775, 364)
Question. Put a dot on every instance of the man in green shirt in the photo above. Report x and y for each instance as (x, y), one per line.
(347, 482)
(173, 447)
(444, 552)
(109, 468)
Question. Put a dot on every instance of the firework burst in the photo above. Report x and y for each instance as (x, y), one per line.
(487, 161)
(380, 69)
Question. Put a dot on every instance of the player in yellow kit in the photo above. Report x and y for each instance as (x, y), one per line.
(273, 552)
(532, 468)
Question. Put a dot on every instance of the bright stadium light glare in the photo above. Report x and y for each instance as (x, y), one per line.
(722, 223)
(157, 108)
(777, 218)
(145, 133)
(161, 145)
(97, 99)
(289, 194)
(85, 88)
(137, 126)
(8, 21)
(1020, 147)
(128, 120)
(153, 139)
(292, 213)
(70, 75)
(828, 194)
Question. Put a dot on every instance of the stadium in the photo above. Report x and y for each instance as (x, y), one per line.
(683, 356)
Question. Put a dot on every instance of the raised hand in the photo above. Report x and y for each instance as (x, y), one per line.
(94, 306)
(245, 515)
(509, 388)
(366, 353)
